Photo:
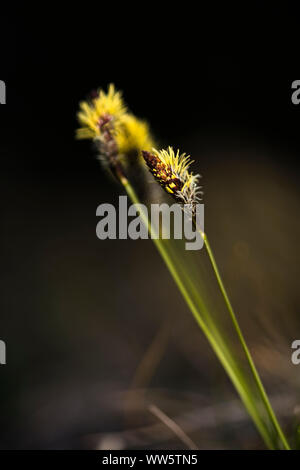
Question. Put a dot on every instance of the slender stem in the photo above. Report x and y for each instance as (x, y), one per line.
(243, 342)
(173, 426)
(222, 353)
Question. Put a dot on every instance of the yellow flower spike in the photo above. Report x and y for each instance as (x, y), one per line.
(172, 172)
(104, 107)
(133, 135)
(107, 113)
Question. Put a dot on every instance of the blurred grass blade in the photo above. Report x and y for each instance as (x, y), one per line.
(225, 338)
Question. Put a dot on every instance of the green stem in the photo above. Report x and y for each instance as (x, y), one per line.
(221, 351)
(244, 345)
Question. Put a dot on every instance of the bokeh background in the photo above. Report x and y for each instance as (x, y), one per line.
(96, 331)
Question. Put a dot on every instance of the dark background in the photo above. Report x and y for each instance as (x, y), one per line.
(215, 84)
(183, 71)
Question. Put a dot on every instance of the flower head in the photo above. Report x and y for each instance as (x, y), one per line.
(103, 109)
(133, 135)
(105, 120)
(172, 172)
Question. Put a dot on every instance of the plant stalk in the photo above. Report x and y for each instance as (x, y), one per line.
(244, 344)
(221, 352)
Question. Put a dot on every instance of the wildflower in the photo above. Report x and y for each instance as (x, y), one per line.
(105, 120)
(172, 172)
(103, 110)
(133, 135)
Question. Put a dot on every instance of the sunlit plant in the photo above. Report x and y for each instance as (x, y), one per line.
(118, 135)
